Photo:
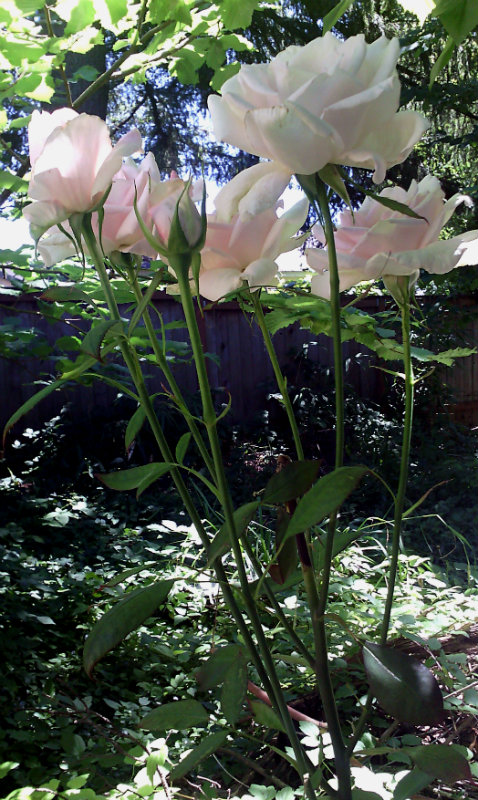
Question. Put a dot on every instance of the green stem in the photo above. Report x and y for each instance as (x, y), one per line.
(342, 762)
(164, 366)
(135, 370)
(404, 464)
(280, 380)
(302, 649)
(399, 501)
(209, 414)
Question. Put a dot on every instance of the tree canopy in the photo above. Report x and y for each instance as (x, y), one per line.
(153, 64)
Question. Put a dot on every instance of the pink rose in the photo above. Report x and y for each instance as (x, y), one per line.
(120, 229)
(329, 102)
(377, 242)
(245, 250)
(73, 164)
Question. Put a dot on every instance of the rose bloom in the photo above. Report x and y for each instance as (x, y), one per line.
(376, 242)
(73, 164)
(245, 250)
(156, 201)
(329, 102)
(120, 229)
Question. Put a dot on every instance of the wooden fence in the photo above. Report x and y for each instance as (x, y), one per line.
(244, 371)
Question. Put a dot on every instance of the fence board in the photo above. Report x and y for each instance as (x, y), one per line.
(244, 369)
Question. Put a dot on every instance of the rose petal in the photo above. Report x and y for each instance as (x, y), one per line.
(216, 283)
(262, 272)
(251, 191)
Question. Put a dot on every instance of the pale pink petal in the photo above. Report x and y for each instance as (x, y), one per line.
(216, 283)
(283, 135)
(251, 191)
(438, 258)
(380, 60)
(55, 247)
(42, 124)
(228, 125)
(279, 238)
(44, 214)
(389, 236)
(262, 272)
(389, 145)
(128, 144)
(248, 236)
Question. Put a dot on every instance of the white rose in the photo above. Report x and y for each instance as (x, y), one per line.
(245, 250)
(377, 242)
(331, 101)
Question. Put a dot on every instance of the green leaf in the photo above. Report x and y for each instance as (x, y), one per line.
(410, 784)
(237, 13)
(394, 205)
(458, 17)
(135, 478)
(28, 7)
(10, 181)
(445, 762)
(403, 686)
(207, 747)
(134, 426)
(223, 74)
(154, 762)
(161, 10)
(234, 690)
(85, 73)
(29, 404)
(221, 543)
(334, 15)
(117, 9)
(286, 550)
(324, 498)
(361, 794)
(78, 14)
(442, 60)
(182, 446)
(7, 766)
(291, 482)
(66, 294)
(448, 357)
(119, 621)
(330, 174)
(212, 672)
(178, 716)
(145, 300)
(72, 743)
(265, 715)
(187, 65)
(341, 542)
(93, 341)
(215, 54)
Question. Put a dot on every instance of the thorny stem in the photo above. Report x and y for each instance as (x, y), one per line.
(263, 660)
(280, 380)
(134, 368)
(302, 649)
(276, 695)
(342, 763)
(177, 395)
(404, 463)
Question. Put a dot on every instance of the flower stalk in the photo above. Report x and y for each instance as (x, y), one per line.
(134, 368)
(210, 419)
(404, 306)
